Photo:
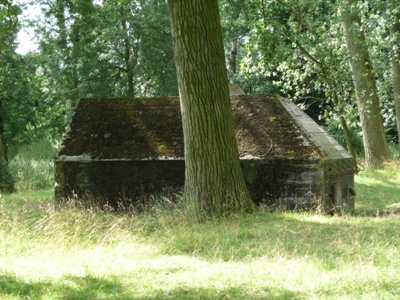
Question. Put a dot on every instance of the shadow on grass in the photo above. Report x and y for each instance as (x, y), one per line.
(69, 287)
(90, 287)
(231, 293)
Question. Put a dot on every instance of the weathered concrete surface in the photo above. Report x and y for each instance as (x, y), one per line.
(120, 149)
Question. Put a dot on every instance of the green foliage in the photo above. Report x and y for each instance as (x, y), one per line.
(297, 48)
(377, 20)
(8, 23)
(86, 50)
(109, 50)
(123, 48)
(336, 132)
(32, 166)
(25, 116)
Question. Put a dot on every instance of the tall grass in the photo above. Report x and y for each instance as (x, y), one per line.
(86, 253)
(32, 166)
(78, 253)
(394, 150)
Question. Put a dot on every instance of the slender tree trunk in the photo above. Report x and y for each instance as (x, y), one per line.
(233, 55)
(214, 184)
(345, 128)
(324, 72)
(129, 62)
(375, 144)
(234, 42)
(395, 37)
(347, 136)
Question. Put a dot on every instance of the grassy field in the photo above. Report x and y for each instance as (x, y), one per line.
(90, 254)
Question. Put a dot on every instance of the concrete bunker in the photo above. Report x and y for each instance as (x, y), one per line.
(119, 150)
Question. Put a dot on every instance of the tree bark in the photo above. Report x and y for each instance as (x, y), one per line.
(234, 42)
(347, 136)
(233, 55)
(374, 138)
(214, 184)
(127, 59)
(395, 38)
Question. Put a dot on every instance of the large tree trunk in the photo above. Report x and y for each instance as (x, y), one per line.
(395, 37)
(214, 184)
(375, 144)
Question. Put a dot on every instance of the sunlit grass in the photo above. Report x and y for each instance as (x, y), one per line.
(90, 254)
(379, 189)
(255, 256)
(86, 253)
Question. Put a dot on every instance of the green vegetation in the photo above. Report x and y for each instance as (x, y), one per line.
(81, 253)
(32, 167)
(379, 189)
(124, 49)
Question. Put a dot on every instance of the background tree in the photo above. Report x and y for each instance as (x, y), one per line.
(297, 46)
(8, 29)
(379, 19)
(375, 144)
(395, 42)
(123, 48)
(100, 49)
(214, 184)
(234, 28)
(300, 48)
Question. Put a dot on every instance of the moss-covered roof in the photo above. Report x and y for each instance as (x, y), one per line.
(151, 128)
